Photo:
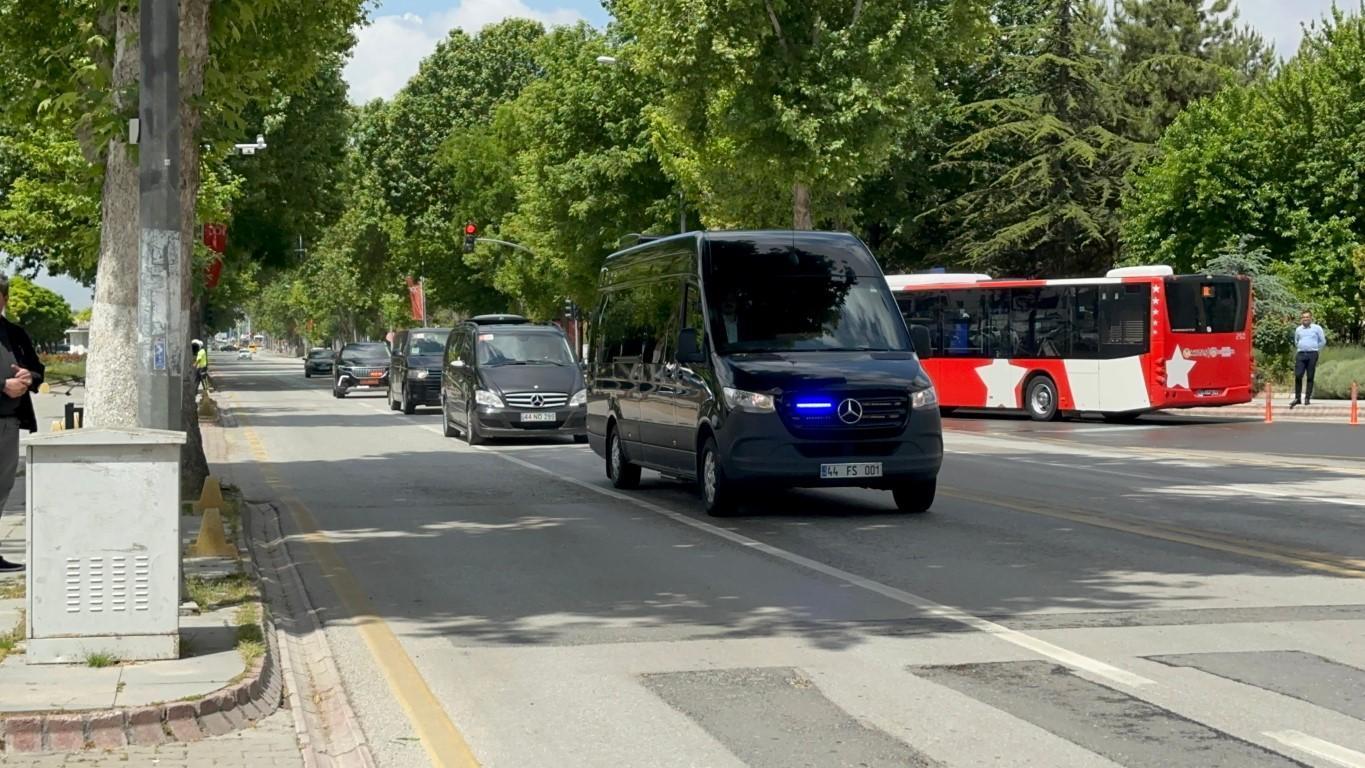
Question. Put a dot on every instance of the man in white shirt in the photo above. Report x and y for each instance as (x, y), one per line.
(1308, 341)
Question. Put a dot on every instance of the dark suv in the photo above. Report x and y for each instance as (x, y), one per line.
(360, 365)
(318, 361)
(506, 377)
(415, 368)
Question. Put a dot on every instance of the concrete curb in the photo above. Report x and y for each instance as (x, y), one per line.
(253, 698)
(329, 733)
(328, 730)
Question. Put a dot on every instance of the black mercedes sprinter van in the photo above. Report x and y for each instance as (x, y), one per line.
(744, 359)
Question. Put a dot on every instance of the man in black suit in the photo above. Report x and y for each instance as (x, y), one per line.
(23, 374)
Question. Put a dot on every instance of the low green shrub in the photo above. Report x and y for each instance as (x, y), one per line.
(1334, 377)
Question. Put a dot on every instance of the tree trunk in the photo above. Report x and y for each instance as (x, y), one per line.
(194, 56)
(801, 206)
(111, 364)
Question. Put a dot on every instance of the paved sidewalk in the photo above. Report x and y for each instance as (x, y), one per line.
(1338, 411)
(271, 744)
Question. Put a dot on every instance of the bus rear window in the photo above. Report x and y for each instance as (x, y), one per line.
(1207, 304)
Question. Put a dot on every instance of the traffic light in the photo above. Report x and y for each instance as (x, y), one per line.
(470, 236)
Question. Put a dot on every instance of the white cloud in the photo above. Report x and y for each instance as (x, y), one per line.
(389, 50)
(1280, 20)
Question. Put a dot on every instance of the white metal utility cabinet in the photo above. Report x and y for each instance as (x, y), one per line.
(103, 545)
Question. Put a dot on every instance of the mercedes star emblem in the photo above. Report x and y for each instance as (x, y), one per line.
(850, 411)
(537, 401)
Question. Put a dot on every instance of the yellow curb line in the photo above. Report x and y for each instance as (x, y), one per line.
(444, 744)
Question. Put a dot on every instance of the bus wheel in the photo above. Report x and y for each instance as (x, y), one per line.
(1041, 399)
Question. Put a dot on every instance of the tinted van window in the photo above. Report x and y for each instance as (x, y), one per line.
(771, 295)
(426, 342)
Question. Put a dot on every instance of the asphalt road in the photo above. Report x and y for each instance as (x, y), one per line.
(1166, 593)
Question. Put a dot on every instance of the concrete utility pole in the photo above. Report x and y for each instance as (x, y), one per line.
(160, 323)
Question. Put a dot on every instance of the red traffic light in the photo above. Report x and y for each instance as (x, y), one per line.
(470, 229)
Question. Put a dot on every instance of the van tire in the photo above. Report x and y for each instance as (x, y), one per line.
(471, 429)
(1040, 399)
(719, 496)
(405, 404)
(446, 428)
(915, 496)
(620, 471)
(393, 404)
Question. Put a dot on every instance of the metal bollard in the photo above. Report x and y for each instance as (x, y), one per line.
(75, 416)
(1355, 404)
(1269, 409)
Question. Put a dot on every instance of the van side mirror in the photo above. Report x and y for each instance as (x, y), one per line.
(689, 347)
(919, 336)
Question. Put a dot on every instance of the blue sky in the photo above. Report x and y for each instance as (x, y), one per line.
(402, 32)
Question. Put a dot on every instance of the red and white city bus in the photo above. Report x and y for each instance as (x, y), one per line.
(1139, 339)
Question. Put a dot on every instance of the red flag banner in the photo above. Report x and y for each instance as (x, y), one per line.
(418, 299)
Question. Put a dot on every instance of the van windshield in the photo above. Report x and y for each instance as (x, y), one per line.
(778, 297)
(523, 348)
(427, 342)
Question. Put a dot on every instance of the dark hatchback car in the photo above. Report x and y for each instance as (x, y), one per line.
(415, 368)
(318, 362)
(506, 377)
(750, 359)
(361, 365)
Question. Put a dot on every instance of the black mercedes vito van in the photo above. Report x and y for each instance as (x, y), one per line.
(749, 358)
(507, 377)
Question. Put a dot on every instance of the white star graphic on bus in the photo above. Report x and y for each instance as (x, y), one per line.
(1178, 370)
(1002, 383)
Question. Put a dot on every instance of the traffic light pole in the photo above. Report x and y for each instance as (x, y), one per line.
(160, 321)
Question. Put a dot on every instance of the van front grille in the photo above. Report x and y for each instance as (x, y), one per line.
(878, 415)
(536, 399)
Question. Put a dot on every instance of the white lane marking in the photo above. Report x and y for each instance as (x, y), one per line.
(1041, 647)
(1332, 753)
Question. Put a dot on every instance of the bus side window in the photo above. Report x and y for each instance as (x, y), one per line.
(1123, 319)
(963, 318)
(1085, 324)
(924, 309)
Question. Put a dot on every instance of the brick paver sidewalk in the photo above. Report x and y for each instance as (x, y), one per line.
(271, 744)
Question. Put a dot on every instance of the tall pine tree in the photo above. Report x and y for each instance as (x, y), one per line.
(1171, 53)
(1045, 161)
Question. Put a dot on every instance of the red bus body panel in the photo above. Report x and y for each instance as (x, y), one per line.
(1179, 370)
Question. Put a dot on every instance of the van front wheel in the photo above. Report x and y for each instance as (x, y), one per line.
(718, 493)
(915, 496)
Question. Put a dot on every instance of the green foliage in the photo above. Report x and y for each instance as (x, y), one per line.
(1044, 162)
(1278, 162)
(566, 169)
(49, 203)
(1339, 368)
(1174, 52)
(764, 100)
(43, 313)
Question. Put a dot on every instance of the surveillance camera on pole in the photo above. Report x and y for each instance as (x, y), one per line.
(251, 149)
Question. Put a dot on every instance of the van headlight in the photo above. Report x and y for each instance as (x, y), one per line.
(924, 398)
(488, 399)
(420, 373)
(748, 401)
(579, 398)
